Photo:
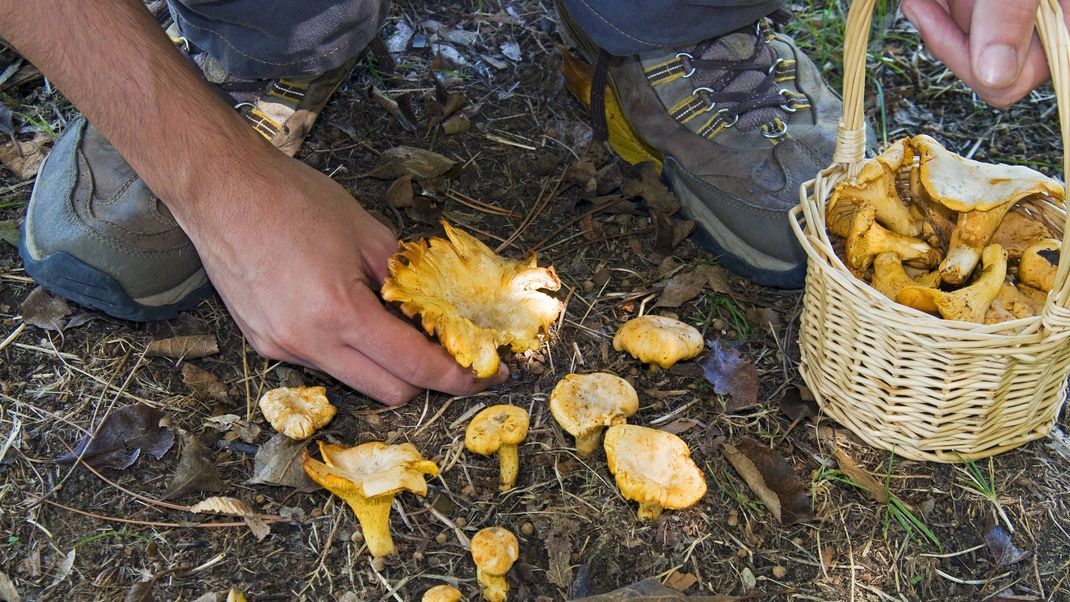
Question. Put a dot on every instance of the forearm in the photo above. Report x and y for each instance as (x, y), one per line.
(113, 61)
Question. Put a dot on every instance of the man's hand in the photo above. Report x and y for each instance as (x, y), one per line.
(989, 44)
(300, 277)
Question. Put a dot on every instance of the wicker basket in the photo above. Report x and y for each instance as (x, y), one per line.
(902, 380)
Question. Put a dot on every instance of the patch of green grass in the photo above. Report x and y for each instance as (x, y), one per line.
(976, 482)
(108, 534)
(720, 306)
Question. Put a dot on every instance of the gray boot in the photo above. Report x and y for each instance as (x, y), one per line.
(740, 121)
(95, 234)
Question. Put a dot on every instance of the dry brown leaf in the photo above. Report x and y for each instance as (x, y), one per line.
(202, 383)
(400, 108)
(142, 591)
(716, 278)
(400, 193)
(417, 162)
(559, 552)
(651, 189)
(195, 471)
(732, 373)
(425, 210)
(680, 582)
(860, 476)
(234, 507)
(188, 347)
(681, 288)
(278, 462)
(8, 593)
(122, 436)
(23, 158)
(772, 479)
(797, 406)
(456, 124)
(43, 310)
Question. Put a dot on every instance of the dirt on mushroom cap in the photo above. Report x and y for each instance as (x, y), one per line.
(653, 466)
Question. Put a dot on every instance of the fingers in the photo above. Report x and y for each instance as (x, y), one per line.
(944, 37)
(365, 375)
(1000, 35)
(409, 355)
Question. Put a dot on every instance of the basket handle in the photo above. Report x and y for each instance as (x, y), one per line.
(851, 133)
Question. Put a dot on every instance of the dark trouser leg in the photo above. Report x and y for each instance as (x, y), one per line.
(279, 38)
(624, 28)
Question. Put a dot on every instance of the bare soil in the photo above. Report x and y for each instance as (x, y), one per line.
(578, 536)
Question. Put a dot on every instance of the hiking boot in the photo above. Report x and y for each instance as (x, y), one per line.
(740, 122)
(95, 234)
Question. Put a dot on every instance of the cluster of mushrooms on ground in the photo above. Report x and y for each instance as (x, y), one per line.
(475, 302)
(947, 235)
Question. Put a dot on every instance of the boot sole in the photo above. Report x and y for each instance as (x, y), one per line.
(70, 278)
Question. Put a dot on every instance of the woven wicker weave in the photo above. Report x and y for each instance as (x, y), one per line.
(924, 387)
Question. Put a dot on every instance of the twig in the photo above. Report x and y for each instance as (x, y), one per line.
(476, 204)
(540, 204)
(14, 335)
(600, 207)
(145, 523)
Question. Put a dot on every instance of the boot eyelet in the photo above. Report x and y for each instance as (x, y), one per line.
(777, 133)
(685, 55)
(789, 106)
(713, 103)
(773, 67)
(735, 118)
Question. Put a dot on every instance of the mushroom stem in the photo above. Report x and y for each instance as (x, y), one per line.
(509, 460)
(495, 587)
(587, 443)
(649, 511)
(373, 513)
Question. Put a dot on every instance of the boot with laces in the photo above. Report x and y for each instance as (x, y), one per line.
(739, 121)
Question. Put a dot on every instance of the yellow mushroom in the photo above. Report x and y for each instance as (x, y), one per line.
(472, 299)
(584, 404)
(368, 477)
(297, 412)
(658, 340)
(982, 193)
(499, 429)
(653, 468)
(442, 593)
(1017, 232)
(1039, 263)
(968, 304)
(875, 186)
(1011, 303)
(494, 550)
(867, 239)
(889, 276)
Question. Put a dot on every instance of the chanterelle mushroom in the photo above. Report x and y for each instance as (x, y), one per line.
(658, 340)
(584, 404)
(653, 468)
(368, 477)
(499, 429)
(970, 303)
(474, 300)
(982, 193)
(297, 412)
(1039, 263)
(889, 277)
(867, 239)
(494, 550)
(1017, 232)
(442, 593)
(875, 186)
(1011, 303)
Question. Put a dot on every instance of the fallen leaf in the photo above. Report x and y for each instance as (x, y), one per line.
(123, 436)
(681, 288)
(234, 507)
(142, 591)
(425, 210)
(772, 479)
(456, 124)
(716, 278)
(1001, 546)
(860, 476)
(43, 310)
(558, 544)
(23, 158)
(399, 195)
(733, 374)
(649, 187)
(664, 232)
(400, 108)
(455, 101)
(187, 347)
(278, 462)
(202, 383)
(680, 582)
(417, 162)
(9, 232)
(63, 568)
(795, 406)
(195, 471)
(8, 593)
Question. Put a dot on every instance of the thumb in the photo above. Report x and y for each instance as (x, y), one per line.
(1000, 34)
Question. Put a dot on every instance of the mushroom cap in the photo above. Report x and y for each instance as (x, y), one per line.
(297, 412)
(1011, 303)
(658, 340)
(582, 403)
(875, 185)
(889, 276)
(494, 550)
(472, 299)
(653, 466)
(967, 304)
(867, 239)
(494, 427)
(1039, 263)
(442, 593)
(370, 469)
(1017, 232)
(967, 185)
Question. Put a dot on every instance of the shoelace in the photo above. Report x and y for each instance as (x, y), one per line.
(750, 99)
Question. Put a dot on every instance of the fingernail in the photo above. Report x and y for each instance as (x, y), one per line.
(998, 66)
